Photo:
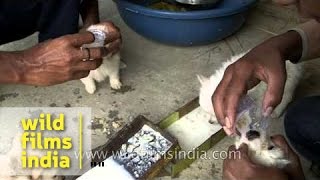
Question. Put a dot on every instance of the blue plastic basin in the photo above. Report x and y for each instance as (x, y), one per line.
(186, 28)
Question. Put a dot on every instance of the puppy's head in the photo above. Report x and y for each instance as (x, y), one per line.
(261, 148)
(256, 139)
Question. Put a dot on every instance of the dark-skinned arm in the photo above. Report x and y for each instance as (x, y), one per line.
(289, 45)
(9, 69)
(266, 63)
(54, 61)
(89, 12)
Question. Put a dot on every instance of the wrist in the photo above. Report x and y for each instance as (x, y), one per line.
(10, 69)
(90, 13)
(89, 21)
(289, 45)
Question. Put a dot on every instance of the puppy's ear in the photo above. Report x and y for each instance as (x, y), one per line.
(202, 79)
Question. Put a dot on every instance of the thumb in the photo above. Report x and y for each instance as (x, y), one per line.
(244, 152)
(243, 148)
(274, 93)
(80, 39)
(280, 141)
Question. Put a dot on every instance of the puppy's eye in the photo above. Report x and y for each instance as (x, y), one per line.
(251, 135)
(270, 147)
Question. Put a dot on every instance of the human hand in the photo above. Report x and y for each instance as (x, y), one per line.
(58, 60)
(293, 169)
(240, 167)
(113, 36)
(263, 63)
(250, 170)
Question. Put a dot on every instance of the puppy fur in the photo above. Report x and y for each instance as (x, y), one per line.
(261, 149)
(110, 67)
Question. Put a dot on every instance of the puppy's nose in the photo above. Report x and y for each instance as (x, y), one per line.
(252, 134)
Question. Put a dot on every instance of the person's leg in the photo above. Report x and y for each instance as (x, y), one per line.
(18, 19)
(58, 18)
(52, 18)
(302, 127)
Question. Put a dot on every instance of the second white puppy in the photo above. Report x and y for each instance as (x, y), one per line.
(261, 148)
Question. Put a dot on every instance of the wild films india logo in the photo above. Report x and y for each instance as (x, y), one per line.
(46, 140)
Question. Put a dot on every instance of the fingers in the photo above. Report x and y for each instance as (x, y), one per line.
(228, 131)
(80, 75)
(238, 164)
(219, 95)
(98, 53)
(113, 36)
(91, 53)
(274, 93)
(114, 46)
(244, 152)
(233, 95)
(226, 99)
(294, 167)
(83, 68)
(112, 31)
(88, 65)
(279, 141)
(80, 39)
(232, 148)
(243, 149)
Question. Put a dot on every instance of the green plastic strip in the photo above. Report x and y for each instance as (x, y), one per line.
(169, 120)
(176, 166)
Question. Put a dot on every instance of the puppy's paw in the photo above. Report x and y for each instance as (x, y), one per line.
(115, 84)
(122, 65)
(91, 89)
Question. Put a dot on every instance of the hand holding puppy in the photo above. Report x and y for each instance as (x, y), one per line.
(60, 60)
(241, 167)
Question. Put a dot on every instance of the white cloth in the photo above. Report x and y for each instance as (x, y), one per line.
(310, 35)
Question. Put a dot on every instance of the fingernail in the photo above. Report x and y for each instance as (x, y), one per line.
(268, 112)
(227, 131)
(228, 123)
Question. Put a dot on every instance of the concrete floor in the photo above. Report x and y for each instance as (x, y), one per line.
(158, 79)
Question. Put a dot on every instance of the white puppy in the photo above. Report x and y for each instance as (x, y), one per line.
(11, 166)
(110, 67)
(260, 146)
